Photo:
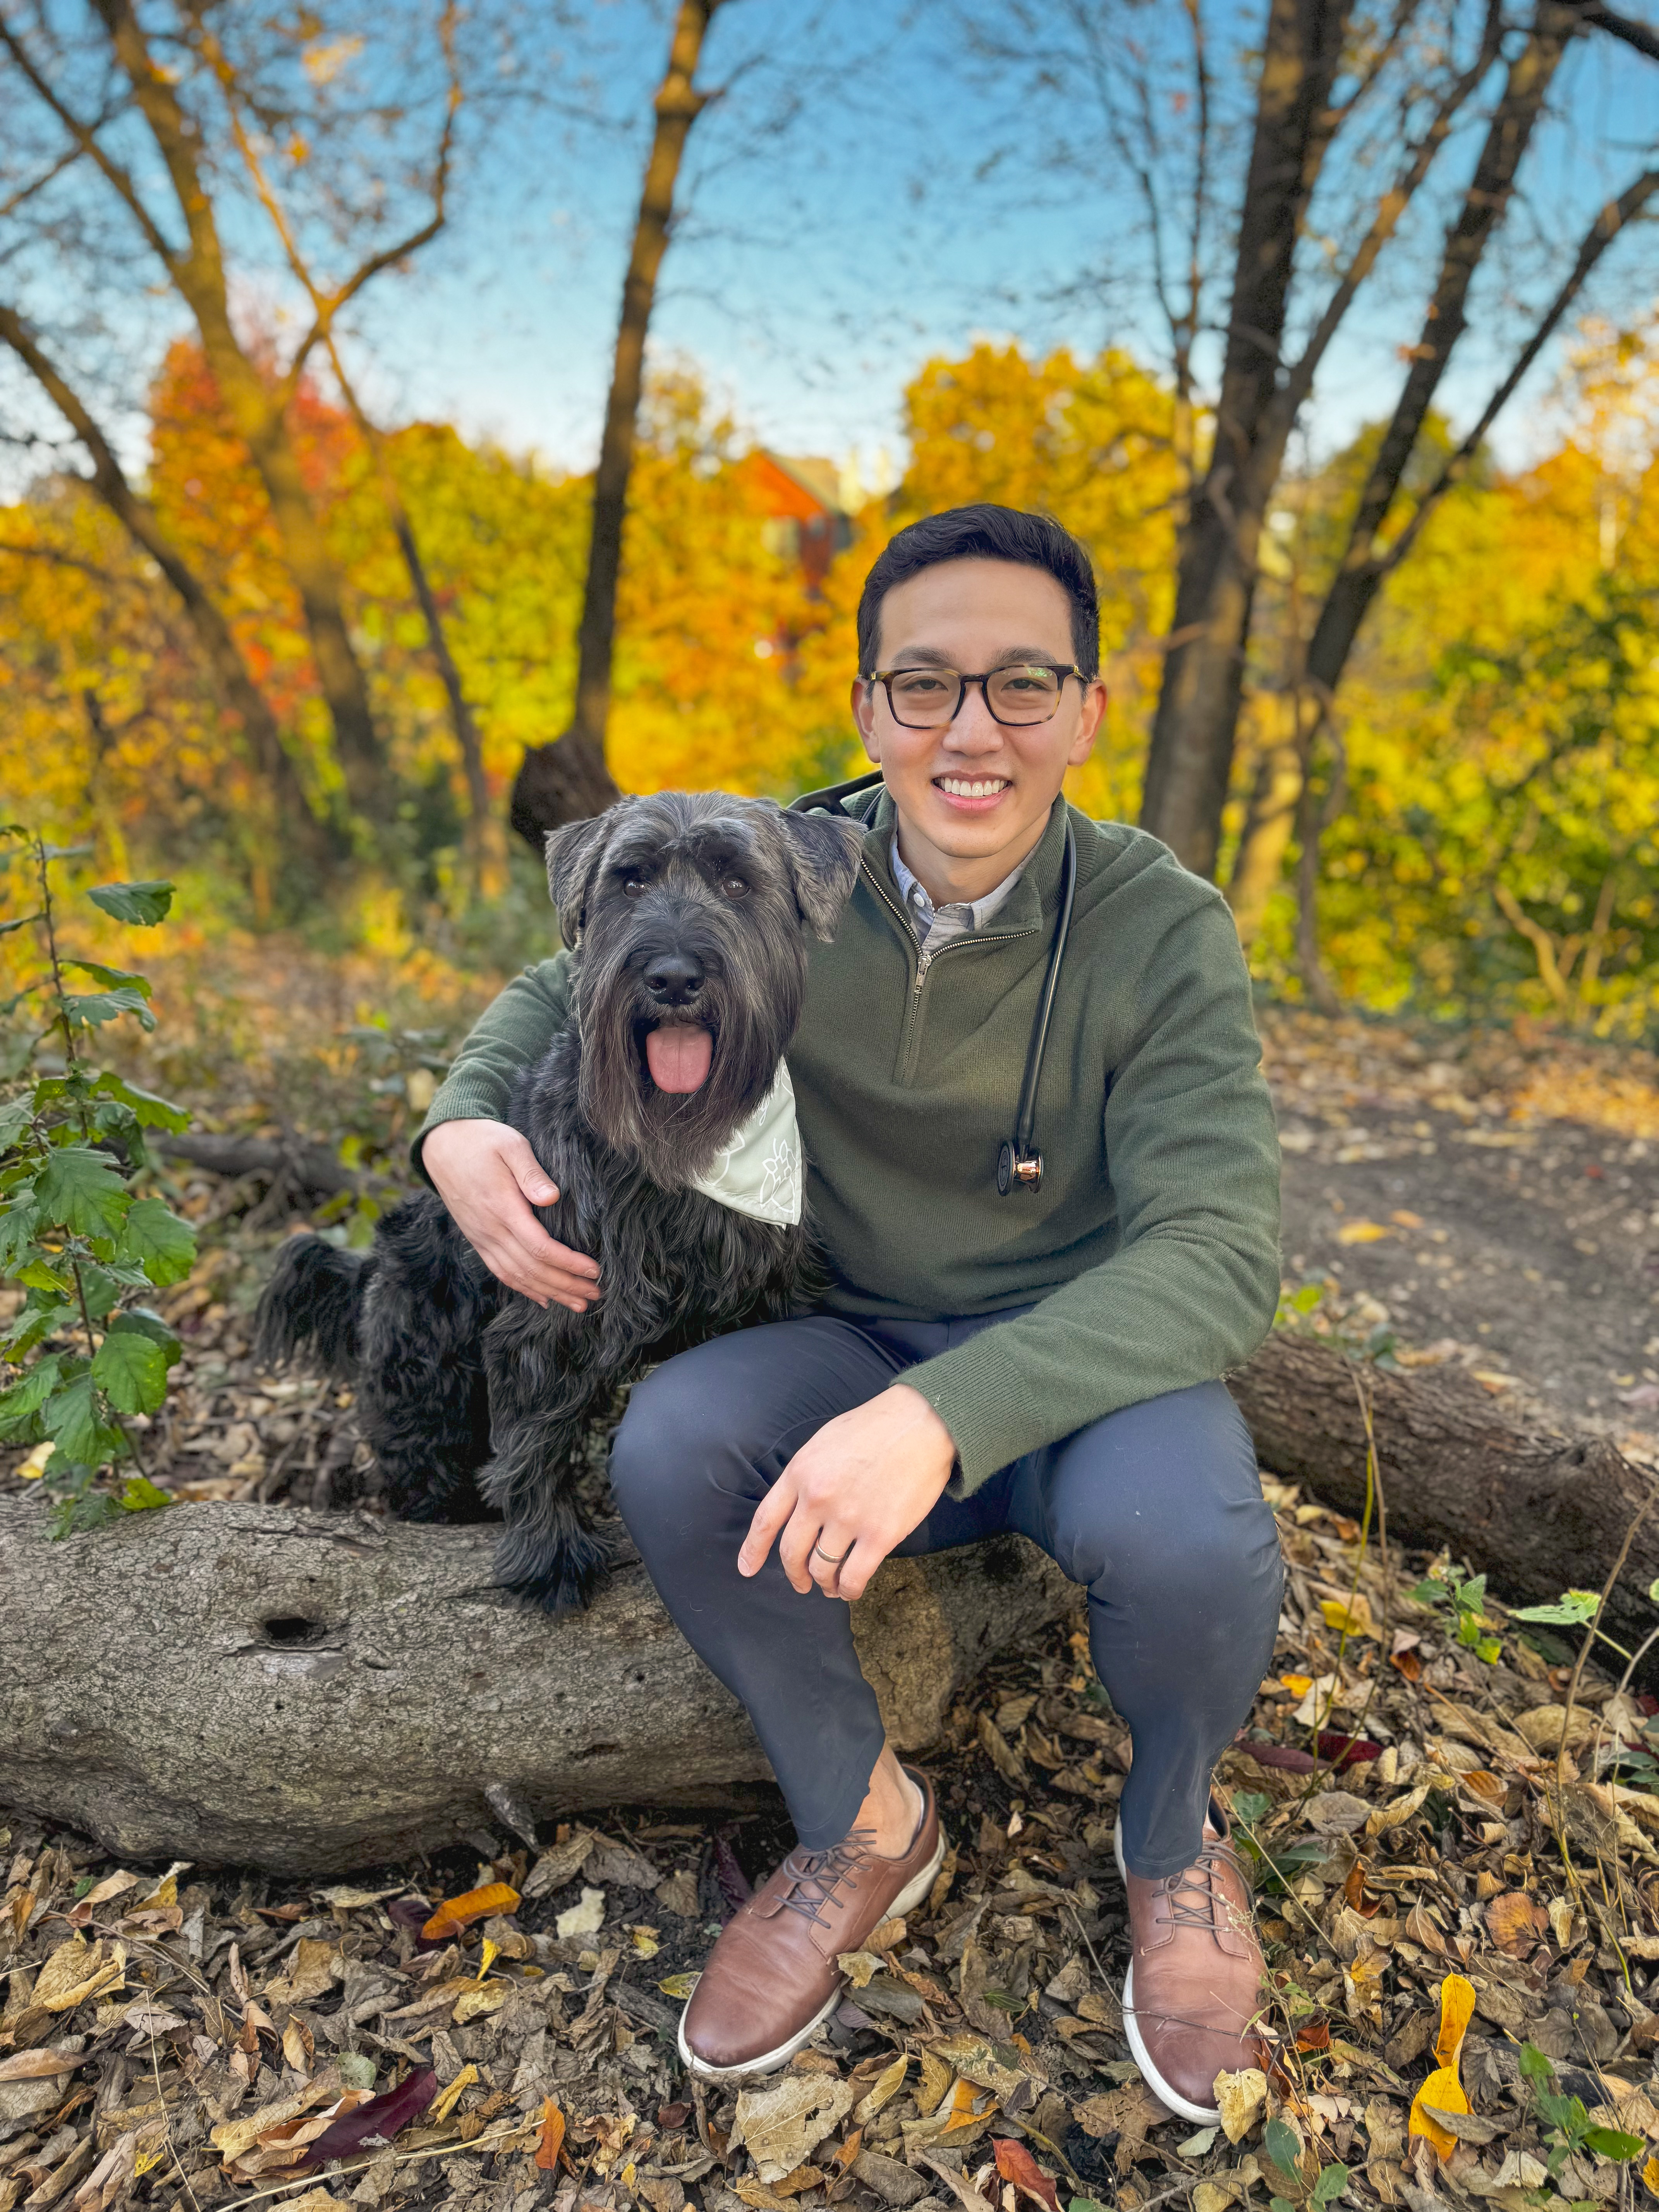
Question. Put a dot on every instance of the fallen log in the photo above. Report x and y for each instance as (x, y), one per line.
(312, 1692)
(310, 1170)
(1539, 1512)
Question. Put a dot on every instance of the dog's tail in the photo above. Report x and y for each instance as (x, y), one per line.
(312, 1305)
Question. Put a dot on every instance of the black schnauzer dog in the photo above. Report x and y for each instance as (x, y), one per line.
(689, 916)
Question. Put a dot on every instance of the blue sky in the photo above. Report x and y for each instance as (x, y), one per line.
(867, 192)
(821, 262)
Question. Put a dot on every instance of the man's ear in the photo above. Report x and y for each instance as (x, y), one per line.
(573, 857)
(824, 849)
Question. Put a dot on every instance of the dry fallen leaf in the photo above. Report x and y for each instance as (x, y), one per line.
(882, 2091)
(1515, 1922)
(551, 2140)
(1242, 2098)
(1362, 1232)
(584, 1919)
(1443, 2092)
(780, 2126)
(458, 1912)
(445, 2102)
(78, 1970)
(1349, 1616)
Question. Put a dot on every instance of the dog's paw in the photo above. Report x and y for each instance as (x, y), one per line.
(564, 1579)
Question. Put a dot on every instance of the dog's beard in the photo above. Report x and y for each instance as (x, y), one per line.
(674, 1134)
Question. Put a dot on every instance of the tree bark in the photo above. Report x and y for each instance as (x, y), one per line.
(257, 412)
(1485, 202)
(312, 1692)
(1192, 747)
(1540, 1513)
(576, 782)
(238, 692)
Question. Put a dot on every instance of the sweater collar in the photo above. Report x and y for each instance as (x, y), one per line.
(1030, 904)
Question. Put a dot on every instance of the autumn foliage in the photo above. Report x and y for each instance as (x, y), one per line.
(1483, 813)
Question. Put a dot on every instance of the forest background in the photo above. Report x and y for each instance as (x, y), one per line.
(1463, 829)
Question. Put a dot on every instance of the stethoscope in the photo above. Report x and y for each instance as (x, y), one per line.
(1020, 1164)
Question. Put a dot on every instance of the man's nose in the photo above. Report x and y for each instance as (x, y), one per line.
(975, 728)
(674, 979)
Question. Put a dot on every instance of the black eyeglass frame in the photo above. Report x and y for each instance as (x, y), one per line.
(1062, 669)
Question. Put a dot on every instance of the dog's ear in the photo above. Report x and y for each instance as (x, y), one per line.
(823, 850)
(573, 857)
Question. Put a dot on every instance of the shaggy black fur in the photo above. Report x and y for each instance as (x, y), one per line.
(688, 908)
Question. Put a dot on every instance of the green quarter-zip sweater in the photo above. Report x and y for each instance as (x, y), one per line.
(1149, 1257)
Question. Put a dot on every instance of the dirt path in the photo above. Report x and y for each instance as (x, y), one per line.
(1503, 1207)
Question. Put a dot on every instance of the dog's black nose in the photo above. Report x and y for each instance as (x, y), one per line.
(674, 979)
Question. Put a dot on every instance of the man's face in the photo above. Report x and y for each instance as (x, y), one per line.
(976, 790)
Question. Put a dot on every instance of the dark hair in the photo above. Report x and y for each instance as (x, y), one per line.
(984, 532)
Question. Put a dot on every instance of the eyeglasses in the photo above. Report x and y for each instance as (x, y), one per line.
(1025, 692)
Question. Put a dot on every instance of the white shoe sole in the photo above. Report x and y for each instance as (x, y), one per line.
(1207, 2115)
(907, 1900)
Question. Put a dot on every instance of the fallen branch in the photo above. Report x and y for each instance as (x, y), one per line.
(315, 1692)
(1539, 1512)
(309, 1169)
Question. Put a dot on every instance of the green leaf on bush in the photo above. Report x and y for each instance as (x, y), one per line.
(158, 1242)
(72, 1419)
(110, 979)
(82, 1189)
(1573, 1609)
(145, 904)
(24, 1399)
(17, 1225)
(15, 1118)
(140, 1495)
(150, 1111)
(86, 1010)
(131, 1369)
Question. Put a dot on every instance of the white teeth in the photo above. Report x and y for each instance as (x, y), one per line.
(959, 787)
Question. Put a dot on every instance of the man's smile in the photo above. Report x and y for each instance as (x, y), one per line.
(978, 792)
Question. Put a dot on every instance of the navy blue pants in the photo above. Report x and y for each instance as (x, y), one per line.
(1157, 1510)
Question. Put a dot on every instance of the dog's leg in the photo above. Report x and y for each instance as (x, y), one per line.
(540, 1403)
(421, 1397)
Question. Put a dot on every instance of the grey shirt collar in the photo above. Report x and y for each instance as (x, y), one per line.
(935, 924)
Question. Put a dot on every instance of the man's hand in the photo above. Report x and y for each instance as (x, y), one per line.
(488, 1178)
(861, 1485)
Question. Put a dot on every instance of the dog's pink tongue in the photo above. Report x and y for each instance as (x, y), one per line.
(679, 1056)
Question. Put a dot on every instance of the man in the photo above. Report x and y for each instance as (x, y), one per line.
(1045, 1360)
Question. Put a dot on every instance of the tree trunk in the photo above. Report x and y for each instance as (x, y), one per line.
(1268, 823)
(1191, 757)
(551, 791)
(1485, 202)
(239, 694)
(313, 1692)
(1540, 1513)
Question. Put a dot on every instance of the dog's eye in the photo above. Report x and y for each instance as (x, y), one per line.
(633, 886)
(734, 887)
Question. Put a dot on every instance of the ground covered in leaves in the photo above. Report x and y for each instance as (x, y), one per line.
(1423, 1818)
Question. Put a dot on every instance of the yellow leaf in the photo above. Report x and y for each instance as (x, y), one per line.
(1650, 2177)
(35, 1465)
(968, 2104)
(678, 1985)
(1349, 1616)
(1443, 2090)
(452, 2096)
(1456, 2011)
(645, 1942)
(1362, 1232)
(491, 1952)
(1298, 1685)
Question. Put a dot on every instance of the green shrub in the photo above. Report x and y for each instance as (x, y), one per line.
(75, 1234)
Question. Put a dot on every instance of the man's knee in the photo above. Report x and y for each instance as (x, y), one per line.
(678, 1443)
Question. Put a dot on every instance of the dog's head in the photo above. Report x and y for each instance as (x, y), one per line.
(693, 912)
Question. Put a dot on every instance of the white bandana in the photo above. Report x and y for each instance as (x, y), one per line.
(759, 1172)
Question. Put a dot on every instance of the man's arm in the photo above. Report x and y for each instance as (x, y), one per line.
(485, 1172)
(1193, 1154)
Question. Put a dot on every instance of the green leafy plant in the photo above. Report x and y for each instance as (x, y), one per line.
(75, 1234)
(1296, 2171)
(1570, 2126)
(1466, 1595)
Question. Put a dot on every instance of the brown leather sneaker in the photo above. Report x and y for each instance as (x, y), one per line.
(771, 1977)
(1192, 1994)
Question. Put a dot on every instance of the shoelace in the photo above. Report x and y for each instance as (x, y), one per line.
(824, 1871)
(1180, 1890)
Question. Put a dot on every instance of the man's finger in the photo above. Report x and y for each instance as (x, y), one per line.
(795, 1547)
(770, 1515)
(527, 1172)
(854, 1577)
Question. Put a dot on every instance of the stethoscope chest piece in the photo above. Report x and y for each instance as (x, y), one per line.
(1018, 1171)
